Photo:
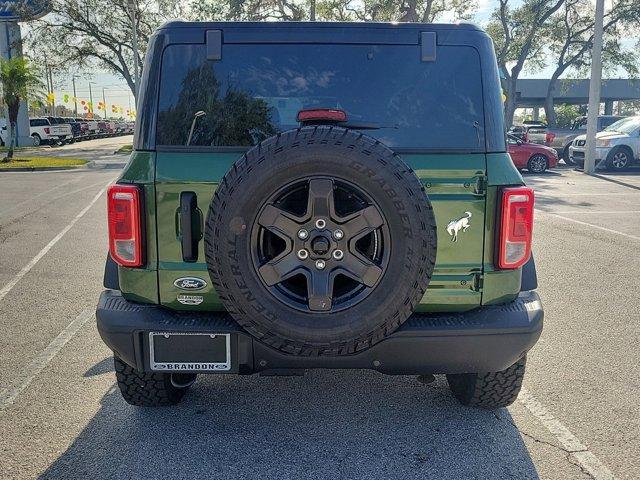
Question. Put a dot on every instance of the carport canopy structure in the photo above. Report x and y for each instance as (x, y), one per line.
(532, 92)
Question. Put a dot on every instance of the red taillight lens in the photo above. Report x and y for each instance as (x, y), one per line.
(516, 227)
(320, 114)
(525, 137)
(46, 130)
(125, 233)
(549, 137)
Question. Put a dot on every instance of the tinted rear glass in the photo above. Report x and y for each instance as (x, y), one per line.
(256, 91)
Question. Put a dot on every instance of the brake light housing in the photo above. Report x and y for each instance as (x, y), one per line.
(322, 114)
(516, 227)
(549, 137)
(47, 130)
(125, 228)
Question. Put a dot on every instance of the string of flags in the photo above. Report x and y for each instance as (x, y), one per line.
(88, 106)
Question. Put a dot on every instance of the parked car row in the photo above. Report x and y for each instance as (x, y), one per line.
(617, 143)
(62, 130)
(561, 138)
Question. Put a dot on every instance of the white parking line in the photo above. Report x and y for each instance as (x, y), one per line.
(599, 212)
(12, 283)
(26, 376)
(552, 195)
(585, 458)
(598, 227)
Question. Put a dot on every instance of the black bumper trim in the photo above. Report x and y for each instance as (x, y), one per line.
(487, 339)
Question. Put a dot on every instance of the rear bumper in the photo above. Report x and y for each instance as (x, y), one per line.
(487, 339)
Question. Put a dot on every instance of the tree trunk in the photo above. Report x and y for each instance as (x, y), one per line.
(549, 109)
(510, 103)
(409, 12)
(12, 110)
(12, 140)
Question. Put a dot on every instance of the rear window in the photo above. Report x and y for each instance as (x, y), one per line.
(39, 122)
(256, 91)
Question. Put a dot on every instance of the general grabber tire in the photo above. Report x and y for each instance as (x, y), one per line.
(489, 390)
(320, 241)
(150, 389)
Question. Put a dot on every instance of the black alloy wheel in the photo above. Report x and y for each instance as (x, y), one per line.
(320, 244)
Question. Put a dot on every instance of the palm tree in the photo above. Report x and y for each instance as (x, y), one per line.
(18, 79)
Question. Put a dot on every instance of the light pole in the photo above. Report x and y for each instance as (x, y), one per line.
(104, 103)
(91, 99)
(134, 31)
(49, 74)
(594, 91)
(75, 97)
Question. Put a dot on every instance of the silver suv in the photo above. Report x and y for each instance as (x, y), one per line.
(618, 144)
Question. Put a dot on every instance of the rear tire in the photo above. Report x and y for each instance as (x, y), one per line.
(565, 156)
(37, 141)
(488, 390)
(147, 389)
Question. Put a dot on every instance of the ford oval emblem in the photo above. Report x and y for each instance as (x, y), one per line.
(190, 283)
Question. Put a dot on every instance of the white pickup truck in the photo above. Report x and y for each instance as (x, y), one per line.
(43, 132)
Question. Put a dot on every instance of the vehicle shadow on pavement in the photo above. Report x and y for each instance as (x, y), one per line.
(327, 424)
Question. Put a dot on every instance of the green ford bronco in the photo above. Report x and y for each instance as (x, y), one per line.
(320, 195)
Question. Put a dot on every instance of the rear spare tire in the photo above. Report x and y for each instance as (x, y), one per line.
(320, 241)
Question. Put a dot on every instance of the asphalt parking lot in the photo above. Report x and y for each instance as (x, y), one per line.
(61, 415)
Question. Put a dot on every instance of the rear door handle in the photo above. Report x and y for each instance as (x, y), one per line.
(189, 226)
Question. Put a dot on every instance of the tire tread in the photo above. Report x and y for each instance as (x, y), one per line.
(145, 389)
(489, 390)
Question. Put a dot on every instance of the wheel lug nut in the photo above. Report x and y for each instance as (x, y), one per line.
(303, 254)
(338, 254)
(303, 234)
(320, 264)
(321, 223)
(338, 234)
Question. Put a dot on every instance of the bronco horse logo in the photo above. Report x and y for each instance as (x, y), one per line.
(455, 226)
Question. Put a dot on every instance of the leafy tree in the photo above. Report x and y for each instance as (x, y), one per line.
(18, 79)
(253, 10)
(518, 35)
(336, 10)
(90, 33)
(630, 108)
(570, 35)
(566, 114)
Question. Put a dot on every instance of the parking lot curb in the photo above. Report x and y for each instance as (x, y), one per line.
(42, 169)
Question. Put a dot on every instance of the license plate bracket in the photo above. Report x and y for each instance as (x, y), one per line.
(189, 352)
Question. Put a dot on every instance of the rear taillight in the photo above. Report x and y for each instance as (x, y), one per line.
(549, 137)
(525, 137)
(125, 232)
(516, 227)
(46, 130)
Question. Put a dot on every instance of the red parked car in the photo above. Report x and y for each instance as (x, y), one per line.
(532, 156)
